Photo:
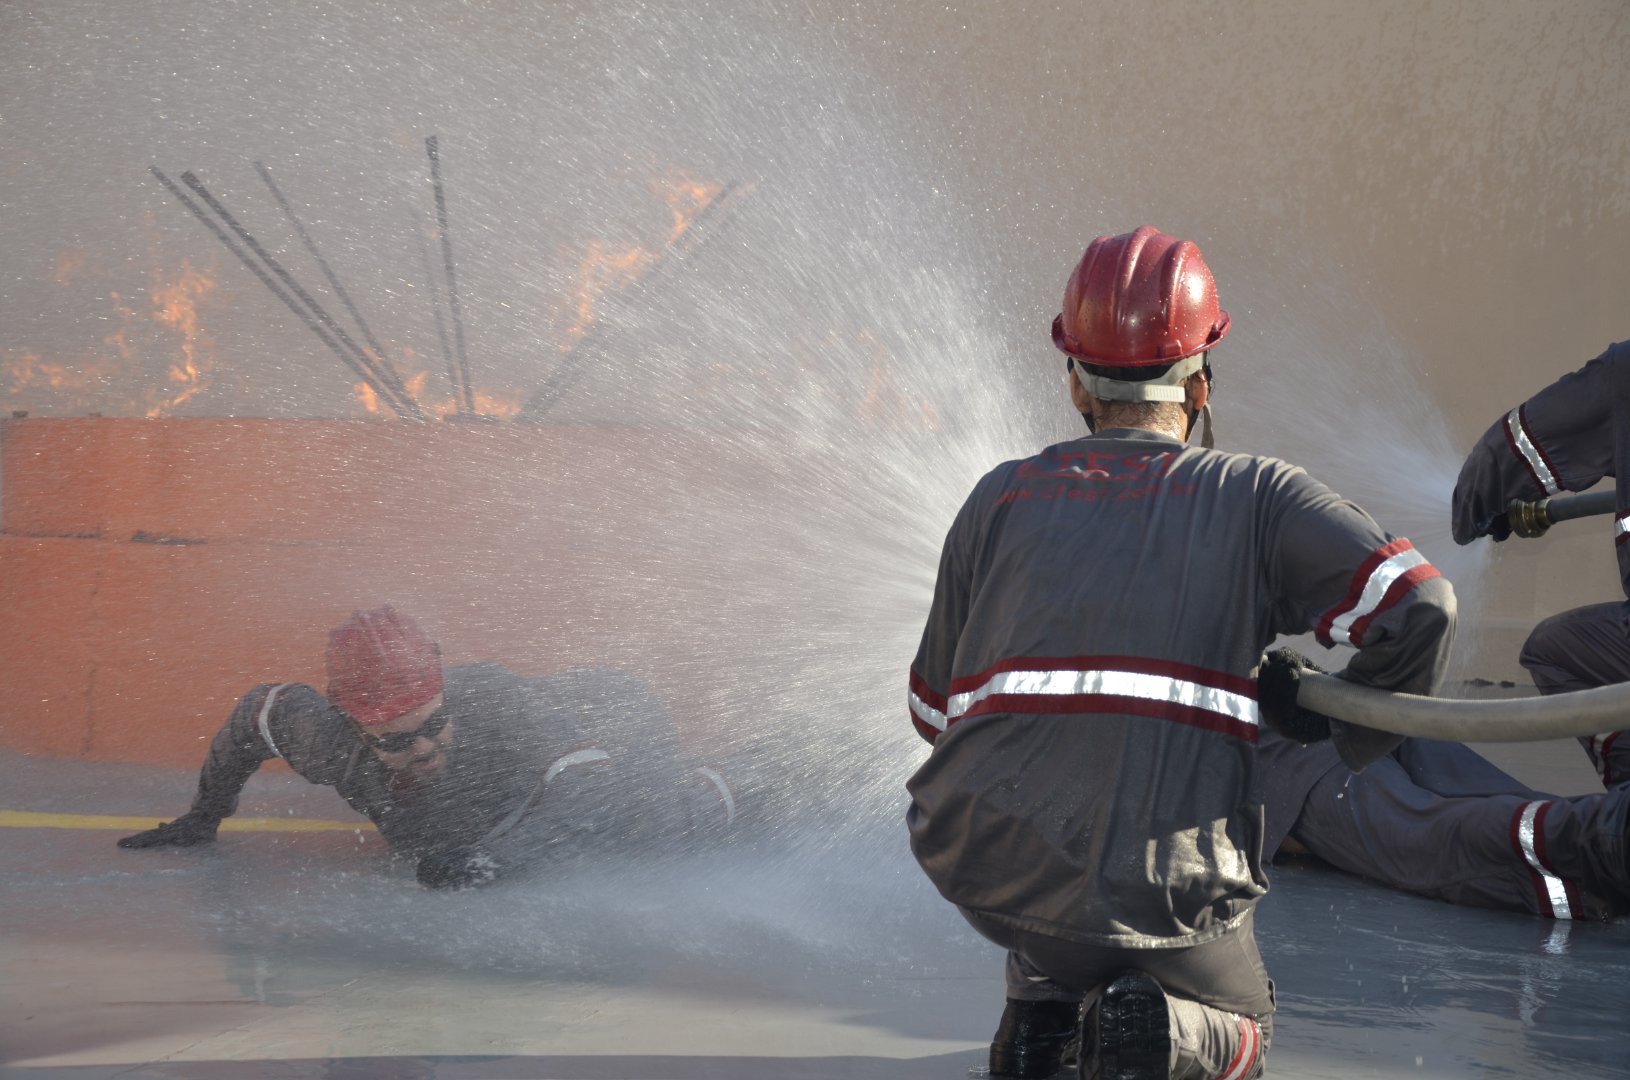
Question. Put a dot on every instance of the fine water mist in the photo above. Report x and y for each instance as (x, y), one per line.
(819, 374)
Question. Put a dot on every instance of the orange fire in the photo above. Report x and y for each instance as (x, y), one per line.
(606, 268)
(176, 305)
(487, 403)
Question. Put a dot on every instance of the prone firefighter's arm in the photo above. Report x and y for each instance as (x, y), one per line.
(1343, 577)
(269, 721)
(279, 720)
(1558, 440)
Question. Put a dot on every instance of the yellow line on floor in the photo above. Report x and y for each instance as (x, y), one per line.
(28, 819)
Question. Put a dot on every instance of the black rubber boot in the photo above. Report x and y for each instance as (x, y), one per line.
(1126, 1033)
(1031, 1038)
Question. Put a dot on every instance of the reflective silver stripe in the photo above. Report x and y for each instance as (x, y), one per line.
(1250, 1039)
(926, 712)
(1375, 589)
(1525, 446)
(266, 715)
(576, 757)
(1621, 525)
(1554, 888)
(728, 799)
(1112, 683)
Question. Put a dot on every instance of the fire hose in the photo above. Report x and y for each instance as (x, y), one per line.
(1532, 519)
(1554, 716)
(1531, 719)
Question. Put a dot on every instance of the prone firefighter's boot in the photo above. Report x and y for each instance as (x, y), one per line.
(1031, 1039)
(1126, 1033)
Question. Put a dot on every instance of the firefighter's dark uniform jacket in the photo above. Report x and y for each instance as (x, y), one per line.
(1086, 677)
(1565, 438)
(555, 749)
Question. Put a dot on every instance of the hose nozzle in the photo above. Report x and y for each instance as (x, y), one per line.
(1532, 519)
(1528, 520)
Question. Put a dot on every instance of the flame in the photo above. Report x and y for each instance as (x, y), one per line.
(31, 371)
(487, 403)
(606, 268)
(686, 198)
(603, 269)
(176, 305)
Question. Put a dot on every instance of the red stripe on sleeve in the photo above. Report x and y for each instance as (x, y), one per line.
(933, 698)
(1406, 581)
(1355, 590)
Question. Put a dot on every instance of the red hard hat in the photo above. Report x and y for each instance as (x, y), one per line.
(380, 665)
(1139, 299)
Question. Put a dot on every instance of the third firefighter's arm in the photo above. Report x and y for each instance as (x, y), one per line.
(1558, 440)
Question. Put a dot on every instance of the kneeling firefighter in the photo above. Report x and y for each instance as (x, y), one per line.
(1091, 802)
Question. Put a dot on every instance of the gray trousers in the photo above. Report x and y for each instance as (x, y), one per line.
(1220, 998)
(1581, 650)
(1437, 819)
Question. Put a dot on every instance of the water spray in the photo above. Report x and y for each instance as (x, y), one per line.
(593, 346)
(1532, 519)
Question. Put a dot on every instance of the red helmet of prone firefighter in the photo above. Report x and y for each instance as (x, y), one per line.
(385, 673)
(1140, 314)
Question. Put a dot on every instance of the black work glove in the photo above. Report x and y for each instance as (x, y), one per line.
(461, 868)
(193, 827)
(1276, 685)
(1497, 528)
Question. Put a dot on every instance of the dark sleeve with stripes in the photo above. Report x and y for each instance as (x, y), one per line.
(1561, 439)
(274, 720)
(1356, 585)
(930, 679)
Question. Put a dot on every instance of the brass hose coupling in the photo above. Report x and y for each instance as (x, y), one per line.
(1528, 519)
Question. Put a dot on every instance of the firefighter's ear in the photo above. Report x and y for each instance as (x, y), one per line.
(1078, 393)
(1197, 390)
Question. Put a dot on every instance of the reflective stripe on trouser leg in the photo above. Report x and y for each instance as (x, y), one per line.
(1210, 1044)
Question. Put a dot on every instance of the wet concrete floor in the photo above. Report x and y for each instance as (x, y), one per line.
(310, 954)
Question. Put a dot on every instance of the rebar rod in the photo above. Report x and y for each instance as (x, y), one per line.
(404, 405)
(277, 291)
(461, 379)
(381, 359)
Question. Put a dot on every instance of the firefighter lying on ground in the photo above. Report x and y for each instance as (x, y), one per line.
(471, 771)
(1439, 820)
(1092, 802)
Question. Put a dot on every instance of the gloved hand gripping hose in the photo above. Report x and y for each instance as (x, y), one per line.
(1277, 684)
